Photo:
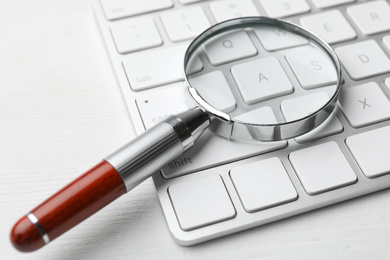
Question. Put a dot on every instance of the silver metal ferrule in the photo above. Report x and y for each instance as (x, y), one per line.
(35, 221)
(189, 126)
(152, 150)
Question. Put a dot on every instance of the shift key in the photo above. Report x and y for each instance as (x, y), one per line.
(209, 150)
(212, 150)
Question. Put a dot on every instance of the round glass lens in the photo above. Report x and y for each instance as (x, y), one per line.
(262, 74)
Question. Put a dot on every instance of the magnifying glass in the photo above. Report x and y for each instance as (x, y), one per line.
(253, 79)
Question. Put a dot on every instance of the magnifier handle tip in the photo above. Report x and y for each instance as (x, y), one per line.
(68, 207)
(25, 236)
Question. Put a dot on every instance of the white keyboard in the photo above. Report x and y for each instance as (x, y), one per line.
(221, 187)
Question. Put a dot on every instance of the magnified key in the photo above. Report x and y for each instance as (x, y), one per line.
(312, 68)
(275, 38)
(261, 79)
(229, 47)
(299, 107)
(225, 102)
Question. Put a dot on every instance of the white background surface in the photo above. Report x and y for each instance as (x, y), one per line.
(61, 111)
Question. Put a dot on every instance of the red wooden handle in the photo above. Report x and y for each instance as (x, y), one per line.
(68, 207)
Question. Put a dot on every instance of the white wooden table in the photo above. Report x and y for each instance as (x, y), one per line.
(61, 111)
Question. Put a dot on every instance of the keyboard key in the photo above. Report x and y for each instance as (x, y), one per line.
(371, 151)
(261, 79)
(115, 9)
(386, 41)
(364, 104)
(225, 10)
(331, 126)
(312, 68)
(277, 39)
(302, 106)
(387, 83)
(135, 34)
(330, 26)
(194, 65)
(201, 202)
(363, 59)
(211, 150)
(263, 115)
(371, 17)
(185, 24)
(154, 68)
(215, 90)
(229, 47)
(263, 184)
(329, 3)
(322, 168)
(190, 1)
(154, 109)
(283, 8)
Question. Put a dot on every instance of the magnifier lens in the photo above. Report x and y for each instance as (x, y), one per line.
(262, 74)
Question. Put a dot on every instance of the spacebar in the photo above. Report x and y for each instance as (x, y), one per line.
(211, 150)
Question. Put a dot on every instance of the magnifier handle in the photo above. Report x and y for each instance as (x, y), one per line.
(114, 176)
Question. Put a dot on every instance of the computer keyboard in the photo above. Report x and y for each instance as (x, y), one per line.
(220, 187)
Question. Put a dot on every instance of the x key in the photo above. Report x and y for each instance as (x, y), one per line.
(356, 112)
(364, 103)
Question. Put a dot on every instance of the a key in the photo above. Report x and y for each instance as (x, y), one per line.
(185, 24)
(329, 3)
(263, 184)
(277, 39)
(322, 168)
(201, 202)
(229, 47)
(283, 8)
(371, 17)
(371, 151)
(363, 59)
(218, 94)
(155, 68)
(364, 104)
(261, 79)
(312, 68)
(330, 26)
(224, 10)
(135, 34)
(115, 9)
